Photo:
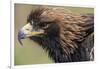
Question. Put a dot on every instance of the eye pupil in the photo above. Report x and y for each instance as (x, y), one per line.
(27, 29)
(42, 25)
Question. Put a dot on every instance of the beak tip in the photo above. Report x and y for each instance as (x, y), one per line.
(21, 35)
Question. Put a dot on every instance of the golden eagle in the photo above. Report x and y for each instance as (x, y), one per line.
(67, 36)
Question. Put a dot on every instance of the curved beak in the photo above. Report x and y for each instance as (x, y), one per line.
(21, 35)
(27, 31)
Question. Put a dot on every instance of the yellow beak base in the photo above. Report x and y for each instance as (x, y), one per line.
(35, 33)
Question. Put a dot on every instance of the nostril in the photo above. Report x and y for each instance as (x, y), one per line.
(27, 29)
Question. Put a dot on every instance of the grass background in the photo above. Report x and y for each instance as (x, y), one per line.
(31, 52)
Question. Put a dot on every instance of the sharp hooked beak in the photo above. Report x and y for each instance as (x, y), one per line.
(27, 31)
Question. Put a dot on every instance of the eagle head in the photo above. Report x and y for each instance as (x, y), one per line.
(40, 22)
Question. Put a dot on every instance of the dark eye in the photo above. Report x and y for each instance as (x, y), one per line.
(42, 24)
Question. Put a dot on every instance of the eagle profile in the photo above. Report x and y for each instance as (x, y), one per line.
(66, 36)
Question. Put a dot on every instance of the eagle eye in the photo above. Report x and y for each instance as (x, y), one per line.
(42, 24)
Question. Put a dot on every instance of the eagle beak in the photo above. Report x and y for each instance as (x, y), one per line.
(27, 31)
(22, 35)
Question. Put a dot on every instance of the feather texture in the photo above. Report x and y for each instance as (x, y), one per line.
(69, 36)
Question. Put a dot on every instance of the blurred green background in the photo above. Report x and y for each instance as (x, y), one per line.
(31, 52)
